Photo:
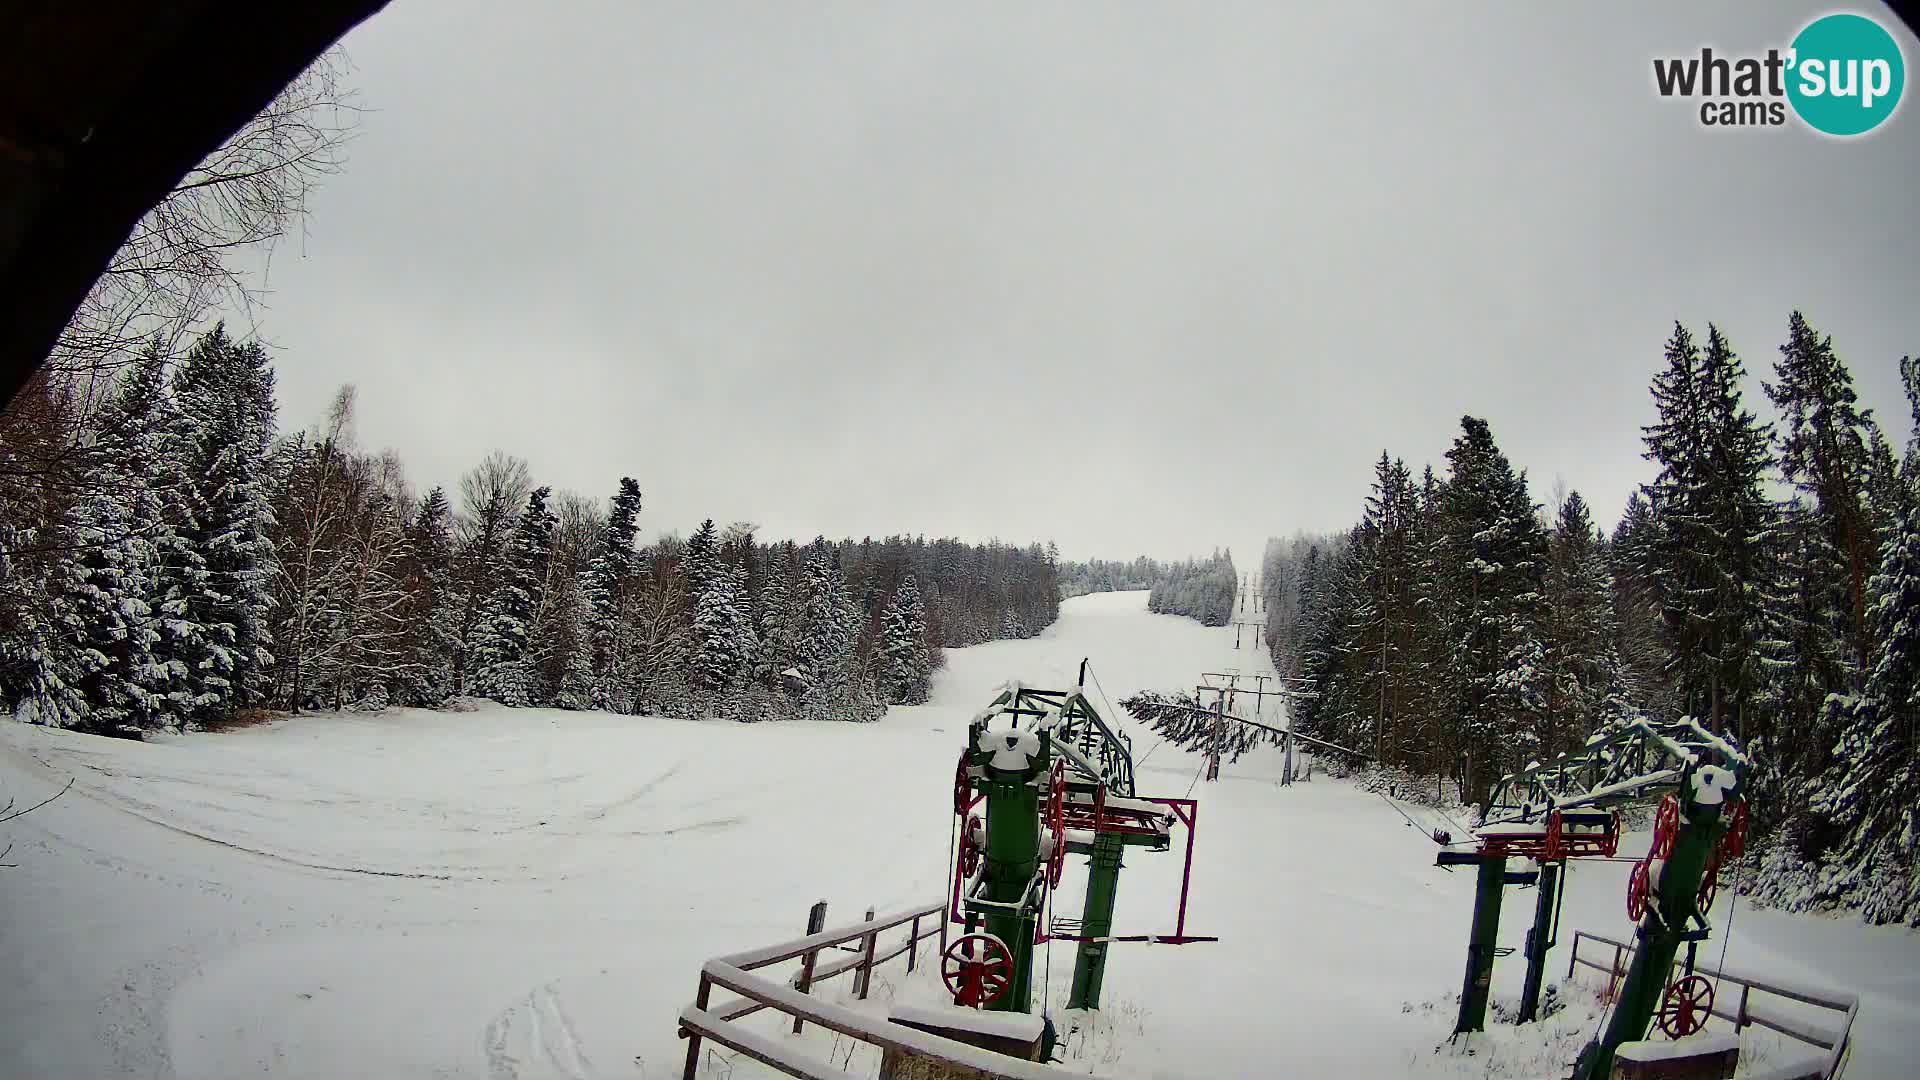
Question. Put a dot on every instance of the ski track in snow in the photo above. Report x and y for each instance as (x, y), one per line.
(534, 1038)
(529, 894)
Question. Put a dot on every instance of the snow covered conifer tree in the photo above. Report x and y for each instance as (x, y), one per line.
(225, 392)
(491, 493)
(1713, 521)
(1579, 631)
(776, 618)
(746, 637)
(133, 570)
(431, 618)
(822, 643)
(717, 615)
(1871, 794)
(1498, 555)
(104, 606)
(906, 662)
(1825, 451)
(503, 670)
(569, 632)
(611, 581)
(1640, 641)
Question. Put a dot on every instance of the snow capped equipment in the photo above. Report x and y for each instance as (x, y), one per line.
(1568, 809)
(1055, 779)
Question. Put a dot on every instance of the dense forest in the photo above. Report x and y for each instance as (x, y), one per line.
(1101, 575)
(1200, 589)
(1766, 583)
(168, 560)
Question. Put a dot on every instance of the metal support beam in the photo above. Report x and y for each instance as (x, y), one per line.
(1012, 857)
(1662, 930)
(1540, 939)
(1474, 988)
(1096, 921)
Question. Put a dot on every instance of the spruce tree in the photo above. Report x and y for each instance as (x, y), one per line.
(1868, 794)
(1640, 641)
(717, 617)
(133, 570)
(504, 671)
(776, 617)
(1496, 555)
(225, 392)
(906, 662)
(611, 583)
(1714, 521)
(1803, 657)
(1579, 633)
(1825, 443)
(431, 614)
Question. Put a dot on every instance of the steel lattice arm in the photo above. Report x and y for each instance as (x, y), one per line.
(1635, 762)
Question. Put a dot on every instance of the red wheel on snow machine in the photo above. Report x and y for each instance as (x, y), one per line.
(1638, 891)
(1057, 862)
(977, 968)
(1552, 849)
(1709, 883)
(962, 787)
(1734, 844)
(1057, 822)
(969, 849)
(1666, 827)
(1613, 837)
(1685, 1009)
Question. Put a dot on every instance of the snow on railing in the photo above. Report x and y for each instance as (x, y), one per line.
(701, 1020)
(1835, 1041)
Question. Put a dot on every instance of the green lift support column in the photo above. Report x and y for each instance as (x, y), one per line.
(1663, 929)
(1483, 944)
(1012, 858)
(1540, 940)
(1096, 922)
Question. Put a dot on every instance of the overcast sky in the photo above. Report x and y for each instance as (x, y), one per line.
(1133, 277)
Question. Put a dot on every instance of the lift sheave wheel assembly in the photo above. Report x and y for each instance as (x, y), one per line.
(1043, 776)
(1570, 809)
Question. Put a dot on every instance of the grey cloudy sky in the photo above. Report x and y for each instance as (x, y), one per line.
(1135, 277)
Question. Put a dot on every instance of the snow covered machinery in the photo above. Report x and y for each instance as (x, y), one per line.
(1053, 778)
(1569, 809)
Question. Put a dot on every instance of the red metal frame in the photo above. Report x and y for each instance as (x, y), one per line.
(1187, 812)
(1553, 842)
(959, 881)
(1109, 819)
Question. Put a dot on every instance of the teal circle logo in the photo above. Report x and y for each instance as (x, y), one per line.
(1846, 74)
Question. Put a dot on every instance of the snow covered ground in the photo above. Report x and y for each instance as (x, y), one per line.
(525, 893)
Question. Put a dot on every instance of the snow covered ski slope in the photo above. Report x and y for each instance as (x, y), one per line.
(523, 893)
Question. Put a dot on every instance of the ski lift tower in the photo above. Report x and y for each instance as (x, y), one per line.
(1568, 809)
(1054, 779)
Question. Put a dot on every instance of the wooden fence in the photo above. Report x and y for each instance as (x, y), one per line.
(861, 942)
(1833, 1040)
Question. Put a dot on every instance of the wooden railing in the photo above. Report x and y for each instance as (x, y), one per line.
(1835, 1041)
(704, 1020)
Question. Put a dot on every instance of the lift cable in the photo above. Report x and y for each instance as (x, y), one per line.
(1726, 939)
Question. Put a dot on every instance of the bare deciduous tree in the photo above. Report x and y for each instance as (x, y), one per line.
(491, 494)
(191, 255)
(180, 262)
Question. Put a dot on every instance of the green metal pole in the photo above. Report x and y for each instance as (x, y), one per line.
(1103, 887)
(1012, 856)
(1474, 989)
(1661, 932)
(1539, 940)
